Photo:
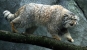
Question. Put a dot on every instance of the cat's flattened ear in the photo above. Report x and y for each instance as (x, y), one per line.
(65, 16)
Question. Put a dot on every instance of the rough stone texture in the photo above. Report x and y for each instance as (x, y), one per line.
(83, 6)
(79, 33)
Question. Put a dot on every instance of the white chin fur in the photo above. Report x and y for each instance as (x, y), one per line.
(67, 25)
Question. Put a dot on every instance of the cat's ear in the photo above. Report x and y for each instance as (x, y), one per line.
(65, 16)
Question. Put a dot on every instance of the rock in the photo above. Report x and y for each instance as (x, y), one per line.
(83, 6)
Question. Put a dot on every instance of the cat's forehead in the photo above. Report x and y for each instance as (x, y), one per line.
(75, 17)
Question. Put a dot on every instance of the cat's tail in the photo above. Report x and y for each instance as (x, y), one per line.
(8, 15)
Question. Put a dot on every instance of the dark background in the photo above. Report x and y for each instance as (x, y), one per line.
(79, 33)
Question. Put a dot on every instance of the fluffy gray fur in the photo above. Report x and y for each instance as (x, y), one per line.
(55, 18)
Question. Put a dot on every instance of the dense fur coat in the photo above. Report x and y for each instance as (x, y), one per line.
(55, 18)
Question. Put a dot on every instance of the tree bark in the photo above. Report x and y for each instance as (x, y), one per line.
(38, 40)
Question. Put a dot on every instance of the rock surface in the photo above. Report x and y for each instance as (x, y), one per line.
(79, 33)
